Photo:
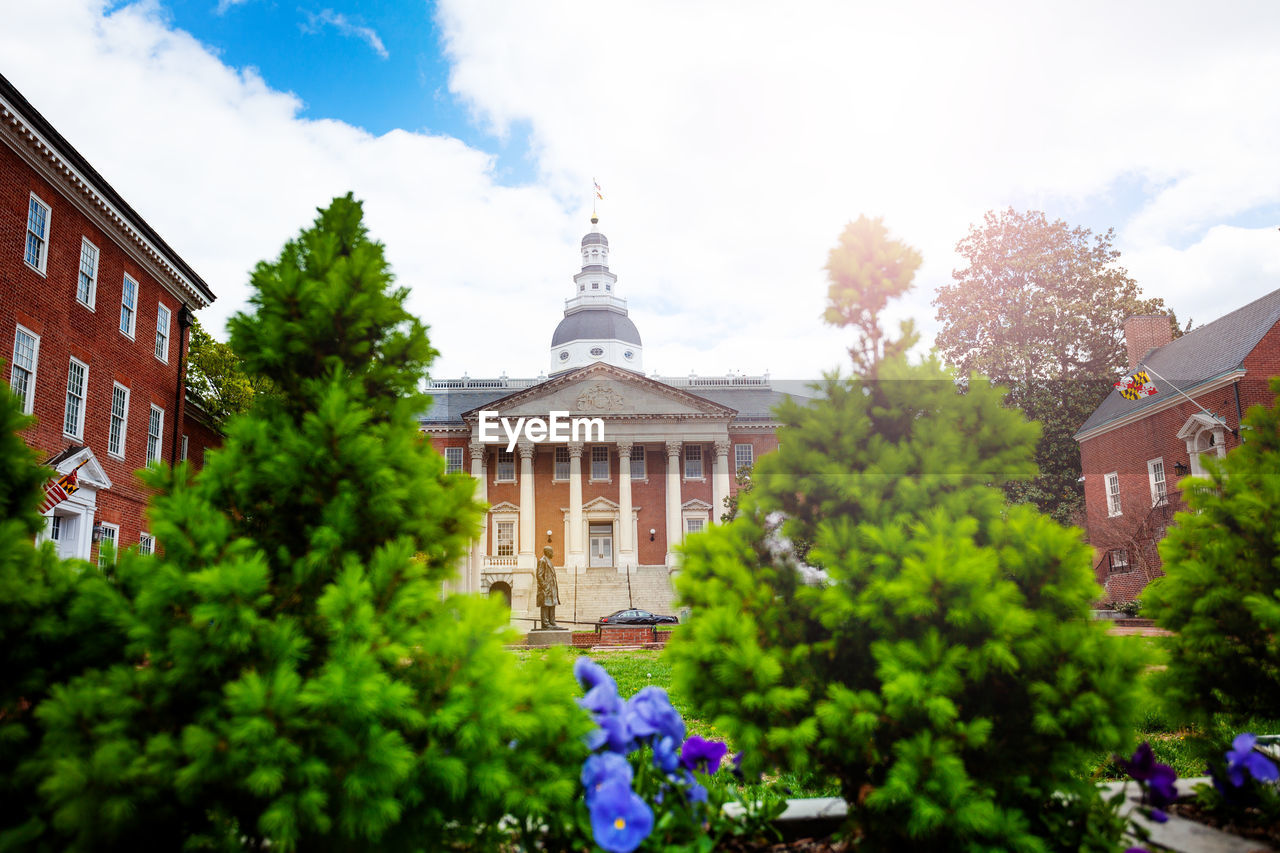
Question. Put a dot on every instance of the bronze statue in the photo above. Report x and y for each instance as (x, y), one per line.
(548, 589)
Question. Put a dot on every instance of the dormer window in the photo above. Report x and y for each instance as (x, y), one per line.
(595, 285)
(608, 287)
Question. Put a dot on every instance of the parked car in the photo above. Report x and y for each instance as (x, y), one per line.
(636, 617)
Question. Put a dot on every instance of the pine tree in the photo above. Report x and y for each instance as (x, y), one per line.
(933, 650)
(293, 673)
(1221, 592)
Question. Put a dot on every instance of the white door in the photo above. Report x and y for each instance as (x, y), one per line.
(601, 546)
(64, 531)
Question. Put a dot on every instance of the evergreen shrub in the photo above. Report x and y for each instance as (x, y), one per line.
(932, 650)
(294, 676)
(1221, 591)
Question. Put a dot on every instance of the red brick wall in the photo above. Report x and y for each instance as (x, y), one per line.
(201, 438)
(46, 304)
(1127, 449)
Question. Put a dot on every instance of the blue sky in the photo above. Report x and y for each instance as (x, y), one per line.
(733, 144)
(376, 65)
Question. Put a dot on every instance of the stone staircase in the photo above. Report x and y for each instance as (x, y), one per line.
(600, 592)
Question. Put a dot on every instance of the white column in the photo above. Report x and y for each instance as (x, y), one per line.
(720, 480)
(481, 548)
(575, 506)
(528, 510)
(675, 526)
(626, 548)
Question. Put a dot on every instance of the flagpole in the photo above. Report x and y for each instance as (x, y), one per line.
(1180, 391)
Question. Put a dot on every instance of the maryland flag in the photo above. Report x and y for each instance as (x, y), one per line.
(1137, 386)
(57, 491)
(599, 192)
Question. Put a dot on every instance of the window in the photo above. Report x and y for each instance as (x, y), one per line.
(146, 543)
(37, 254)
(564, 355)
(1155, 473)
(599, 462)
(1119, 559)
(108, 535)
(562, 463)
(128, 306)
(693, 461)
(1113, 494)
(744, 456)
(506, 538)
(184, 449)
(77, 382)
(22, 375)
(694, 525)
(87, 284)
(453, 460)
(597, 351)
(162, 333)
(155, 428)
(119, 420)
(637, 463)
(59, 529)
(506, 465)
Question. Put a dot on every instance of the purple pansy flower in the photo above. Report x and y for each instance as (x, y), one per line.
(649, 712)
(1242, 758)
(611, 734)
(1159, 781)
(590, 674)
(620, 819)
(601, 768)
(666, 755)
(704, 755)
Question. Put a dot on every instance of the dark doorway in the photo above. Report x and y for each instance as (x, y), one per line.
(501, 588)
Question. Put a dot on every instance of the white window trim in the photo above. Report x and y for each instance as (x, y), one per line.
(115, 543)
(133, 312)
(124, 422)
(28, 402)
(84, 398)
(163, 310)
(48, 232)
(158, 456)
(644, 464)
(143, 538)
(497, 467)
(1151, 480)
(85, 244)
(686, 515)
(184, 449)
(448, 461)
(608, 465)
(1113, 498)
(568, 465)
(737, 466)
(513, 519)
(1111, 559)
(702, 461)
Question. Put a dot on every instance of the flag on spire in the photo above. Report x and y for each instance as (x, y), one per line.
(57, 491)
(599, 192)
(1137, 386)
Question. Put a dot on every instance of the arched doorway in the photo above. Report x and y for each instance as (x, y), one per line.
(501, 588)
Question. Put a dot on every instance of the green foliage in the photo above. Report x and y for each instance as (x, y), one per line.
(1221, 592)
(293, 674)
(46, 635)
(216, 377)
(866, 270)
(1040, 309)
(935, 654)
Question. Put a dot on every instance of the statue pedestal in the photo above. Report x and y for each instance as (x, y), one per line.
(539, 637)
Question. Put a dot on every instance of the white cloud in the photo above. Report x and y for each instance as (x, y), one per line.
(733, 141)
(340, 22)
(225, 6)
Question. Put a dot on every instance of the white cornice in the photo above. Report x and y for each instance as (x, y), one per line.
(1169, 402)
(28, 144)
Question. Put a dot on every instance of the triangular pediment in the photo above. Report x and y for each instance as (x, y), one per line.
(695, 504)
(81, 459)
(604, 391)
(505, 506)
(1197, 423)
(600, 504)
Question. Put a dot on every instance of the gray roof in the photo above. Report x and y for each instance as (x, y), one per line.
(595, 238)
(1202, 354)
(752, 404)
(596, 324)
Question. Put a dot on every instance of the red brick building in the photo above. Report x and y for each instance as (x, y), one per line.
(1133, 452)
(94, 311)
(615, 502)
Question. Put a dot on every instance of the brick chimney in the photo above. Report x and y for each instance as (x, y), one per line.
(1145, 332)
